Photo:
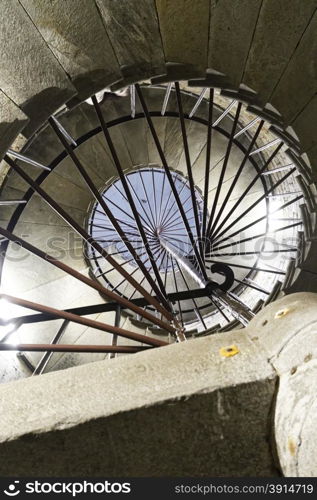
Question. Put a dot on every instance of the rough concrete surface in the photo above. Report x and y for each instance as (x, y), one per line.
(30, 74)
(184, 28)
(232, 25)
(298, 83)
(135, 36)
(274, 42)
(295, 419)
(76, 35)
(304, 125)
(184, 409)
(287, 331)
(285, 323)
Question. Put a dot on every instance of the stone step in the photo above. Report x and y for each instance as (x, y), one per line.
(30, 74)
(304, 126)
(76, 35)
(277, 291)
(304, 279)
(258, 306)
(233, 325)
(299, 79)
(130, 35)
(231, 28)
(209, 331)
(135, 137)
(184, 27)
(277, 33)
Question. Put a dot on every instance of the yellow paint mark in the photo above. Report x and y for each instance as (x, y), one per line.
(281, 313)
(292, 447)
(229, 351)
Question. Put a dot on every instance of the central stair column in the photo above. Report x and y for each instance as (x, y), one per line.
(238, 310)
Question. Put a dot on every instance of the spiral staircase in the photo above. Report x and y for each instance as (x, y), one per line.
(172, 209)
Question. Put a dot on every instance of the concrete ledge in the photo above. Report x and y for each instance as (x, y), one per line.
(200, 408)
(283, 329)
(287, 331)
(184, 409)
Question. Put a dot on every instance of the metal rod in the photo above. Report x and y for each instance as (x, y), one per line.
(196, 308)
(21, 356)
(170, 218)
(274, 186)
(147, 199)
(164, 214)
(100, 308)
(150, 223)
(117, 321)
(249, 187)
(154, 198)
(84, 279)
(185, 263)
(208, 156)
(280, 195)
(104, 327)
(219, 309)
(290, 202)
(129, 196)
(236, 178)
(161, 201)
(249, 285)
(169, 177)
(226, 111)
(198, 102)
(40, 367)
(72, 348)
(259, 252)
(94, 257)
(249, 125)
(266, 146)
(107, 211)
(278, 169)
(67, 136)
(12, 202)
(132, 100)
(176, 289)
(248, 267)
(53, 204)
(34, 163)
(223, 169)
(188, 165)
(121, 209)
(166, 98)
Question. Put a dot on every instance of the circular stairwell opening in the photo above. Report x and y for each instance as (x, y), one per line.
(154, 202)
(212, 182)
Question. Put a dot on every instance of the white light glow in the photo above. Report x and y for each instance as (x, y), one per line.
(6, 330)
(274, 223)
(13, 338)
(7, 309)
(4, 309)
